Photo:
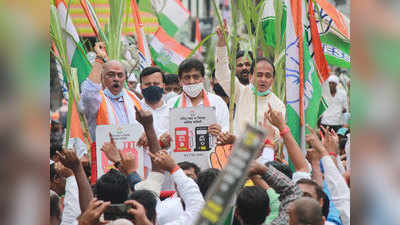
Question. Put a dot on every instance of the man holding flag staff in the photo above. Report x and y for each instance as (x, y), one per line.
(244, 95)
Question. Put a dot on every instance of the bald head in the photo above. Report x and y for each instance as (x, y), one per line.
(305, 210)
(111, 63)
(113, 74)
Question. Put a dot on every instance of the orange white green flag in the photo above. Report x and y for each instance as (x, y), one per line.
(167, 53)
(78, 60)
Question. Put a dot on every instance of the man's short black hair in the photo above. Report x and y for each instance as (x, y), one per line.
(112, 186)
(206, 178)
(260, 59)
(253, 205)
(150, 70)
(148, 200)
(281, 167)
(317, 187)
(191, 63)
(171, 78)
(188, 165)
(241, 53)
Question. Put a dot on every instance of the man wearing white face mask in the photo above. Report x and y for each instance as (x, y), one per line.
(191, 77)
(245, 95)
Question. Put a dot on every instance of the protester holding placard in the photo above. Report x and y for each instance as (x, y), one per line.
(191, 77)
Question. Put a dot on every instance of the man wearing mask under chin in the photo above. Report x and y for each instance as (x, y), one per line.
(191, 77)
(245, 94)
(113, 105)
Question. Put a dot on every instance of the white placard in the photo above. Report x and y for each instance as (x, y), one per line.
(125, 137)
(189, 133)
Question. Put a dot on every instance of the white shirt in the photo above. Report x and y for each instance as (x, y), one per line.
(244, 96)
(337, 186)
(169, 210)
(333, 115)
(221, 108)
(71, 203)
(160, 117)
(190, 193)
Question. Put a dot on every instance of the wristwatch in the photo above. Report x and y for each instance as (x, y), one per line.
(117, 164)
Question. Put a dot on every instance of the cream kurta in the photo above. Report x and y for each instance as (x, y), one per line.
(244, 96)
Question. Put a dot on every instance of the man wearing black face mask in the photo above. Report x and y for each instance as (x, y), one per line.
(152, 81)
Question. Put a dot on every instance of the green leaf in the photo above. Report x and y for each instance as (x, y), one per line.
(201, 44)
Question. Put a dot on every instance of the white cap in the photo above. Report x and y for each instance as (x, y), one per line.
(132, 78)
(120, 222)
(333, 78)
(152, 183)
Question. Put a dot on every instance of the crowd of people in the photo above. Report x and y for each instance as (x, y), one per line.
(311, 188)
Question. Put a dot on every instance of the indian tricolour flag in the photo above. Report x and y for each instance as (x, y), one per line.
(334, 30)
(143, 47)
(269, 20)
(303, 89)
(166, 52)
(77, 59)
(171, 14)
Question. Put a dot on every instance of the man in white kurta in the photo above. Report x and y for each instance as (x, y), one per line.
(245, 95)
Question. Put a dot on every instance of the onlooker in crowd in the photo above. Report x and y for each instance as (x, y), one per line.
(336, 101)
(190, 169)
(305, 210)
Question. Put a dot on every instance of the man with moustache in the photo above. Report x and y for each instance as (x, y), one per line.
(104, 100)
(243, 65)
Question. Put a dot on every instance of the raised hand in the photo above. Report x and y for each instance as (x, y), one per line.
(128, 163)
(313, 140)
(214, 129)
(144, 117)
(276, 118)
(92, 214)
(111, 150)
(220, 33)
(164, 161)
(100, 49)
(165, 140)
(142, 142)
(267, 125)
(313, 156)
(69, 159)
(62, 170)
(256, 168)
(331, 140)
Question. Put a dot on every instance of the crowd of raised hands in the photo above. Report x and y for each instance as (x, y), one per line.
(323, 152)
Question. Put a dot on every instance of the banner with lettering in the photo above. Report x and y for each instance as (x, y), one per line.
(125, 137)
(189, 133)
